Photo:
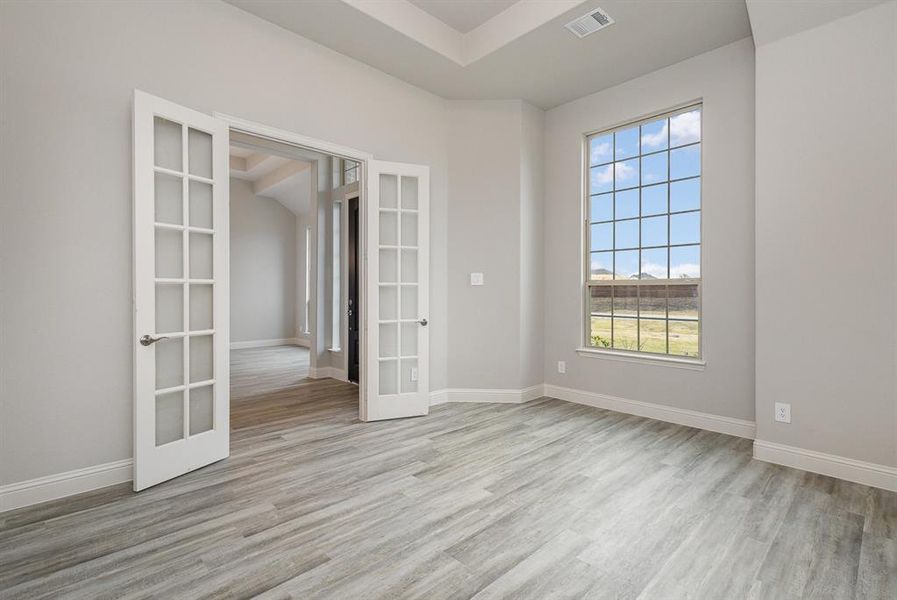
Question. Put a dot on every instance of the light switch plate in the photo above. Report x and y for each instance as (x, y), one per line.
(476, 279)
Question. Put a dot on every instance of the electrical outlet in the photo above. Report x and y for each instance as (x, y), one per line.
(783, 412)
(413, 373)
(476, 279)
(562, 367)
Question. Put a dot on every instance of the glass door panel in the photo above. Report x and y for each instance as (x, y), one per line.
(399, 195)
(180, 173)
(169, 418)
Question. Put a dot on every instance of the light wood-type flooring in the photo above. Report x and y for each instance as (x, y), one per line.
(540, 500)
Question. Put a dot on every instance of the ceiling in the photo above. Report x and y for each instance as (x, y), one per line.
(521, 52)
(772, 20)
(283, 179)
(463, 15)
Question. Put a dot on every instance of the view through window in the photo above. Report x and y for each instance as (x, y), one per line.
(350, 171)
(643, 239)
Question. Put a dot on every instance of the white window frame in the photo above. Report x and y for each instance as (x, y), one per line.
(306, 326)
(586, 348)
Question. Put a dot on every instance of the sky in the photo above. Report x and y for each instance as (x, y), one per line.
(647, 156)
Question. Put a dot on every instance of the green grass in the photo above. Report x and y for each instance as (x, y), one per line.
(684, 336)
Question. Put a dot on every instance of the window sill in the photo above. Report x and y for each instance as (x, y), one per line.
(335, 349)
(631, 357)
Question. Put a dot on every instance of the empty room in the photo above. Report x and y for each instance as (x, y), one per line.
(388, 299)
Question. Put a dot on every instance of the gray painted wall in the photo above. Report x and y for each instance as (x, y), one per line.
(724, 78)
(532, 290)
(495, 186)
(66, 238)
(484, 184)
(826, 237)
(263, 266)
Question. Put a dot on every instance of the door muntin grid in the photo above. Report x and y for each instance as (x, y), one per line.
(184, 238)
(398, 279)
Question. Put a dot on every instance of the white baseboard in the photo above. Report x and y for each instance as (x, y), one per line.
(680, 416)
(503, 396)
(328, 372)
(858, 471)
(53, 487)
(266, 343)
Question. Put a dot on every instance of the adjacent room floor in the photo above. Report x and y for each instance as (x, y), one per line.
(545, 499)
(256, 373)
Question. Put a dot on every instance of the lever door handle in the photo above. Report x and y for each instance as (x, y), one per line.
(423, 322)
(149, 340)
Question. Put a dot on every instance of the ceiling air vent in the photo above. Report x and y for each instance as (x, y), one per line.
(589, 23)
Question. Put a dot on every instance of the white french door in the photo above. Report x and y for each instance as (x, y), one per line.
(396, 356)
(181, 369)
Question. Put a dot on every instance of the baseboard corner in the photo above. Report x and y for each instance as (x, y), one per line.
(486, 395)
(328, 373)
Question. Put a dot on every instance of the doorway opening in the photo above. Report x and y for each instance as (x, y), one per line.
(294, 270)
(353, 337)
(182, 279)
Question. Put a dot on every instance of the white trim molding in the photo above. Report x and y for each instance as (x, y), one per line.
(328, 372)
(282, 135)
(500, 396)
(680, 416)
(463, 48)
(643, 358)
(858, 471)
(267, 343)
(53, 487)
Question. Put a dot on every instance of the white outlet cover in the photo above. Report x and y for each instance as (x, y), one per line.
(476, 279)
(562, 366)
(783, 412)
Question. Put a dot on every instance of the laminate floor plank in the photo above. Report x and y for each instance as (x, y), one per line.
(541, 500)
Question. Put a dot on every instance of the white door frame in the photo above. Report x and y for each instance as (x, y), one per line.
(295, 139)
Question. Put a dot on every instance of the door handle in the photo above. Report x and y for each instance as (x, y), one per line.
(149, 340)
(423, 322)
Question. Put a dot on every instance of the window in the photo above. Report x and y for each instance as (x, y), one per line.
(335, 320)
(344, 171)
(350, 171)
(307, 323)
(643, 236)
(336, 172)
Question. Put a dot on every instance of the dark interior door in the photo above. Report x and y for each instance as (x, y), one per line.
(353, 314)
